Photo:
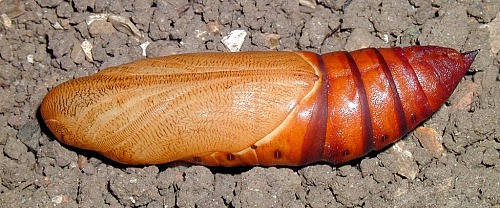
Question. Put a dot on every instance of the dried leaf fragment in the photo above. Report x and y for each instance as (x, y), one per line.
(87, 49)
(308, 3)
(124, 25)
(6, 21)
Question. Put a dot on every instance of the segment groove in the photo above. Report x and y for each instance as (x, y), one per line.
(314, 139)
(398, 105)
(406, 64)
(367, 126)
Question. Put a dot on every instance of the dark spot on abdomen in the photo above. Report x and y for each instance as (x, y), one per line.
(230, 157)
(277, 154)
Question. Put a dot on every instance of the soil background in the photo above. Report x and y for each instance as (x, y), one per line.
(41, 47)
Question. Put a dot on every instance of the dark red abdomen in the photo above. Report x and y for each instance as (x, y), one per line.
(375, 96)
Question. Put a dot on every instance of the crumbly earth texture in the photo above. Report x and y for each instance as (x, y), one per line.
(451, 161)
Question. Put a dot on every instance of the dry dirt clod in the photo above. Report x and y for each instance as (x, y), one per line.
(273, 39)
(361, 38)
(213, 27)
(430, 140)
(404, 161)
(494, 27)
(14, 148)
(100, 27)
(13, 8)
(82, 161)
(466, 97)
(84, 165)
(77, 54)
(29, 135)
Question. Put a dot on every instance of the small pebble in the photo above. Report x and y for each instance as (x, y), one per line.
(234, 40)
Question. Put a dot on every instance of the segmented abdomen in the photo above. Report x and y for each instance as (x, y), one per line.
(377, 95)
